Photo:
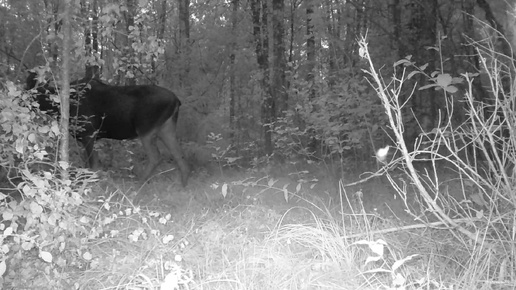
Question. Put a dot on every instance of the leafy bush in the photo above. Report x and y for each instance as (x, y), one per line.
(22, 127)
(45, 219)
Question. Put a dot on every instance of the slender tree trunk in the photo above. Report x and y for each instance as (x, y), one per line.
(95, 68)
(184, 19)
(333, 36)
(260, 33)
(417, 31)
(468, 6)
(422, 30)
(184, 43)
(57, 27)
(397, 41)
(310, 47)
(430, 39)
(293, 7)
(232, 86)
(360, 28)
(503, 43)
(268, 108)
(129, 22)
(65, 87)
(162, 18)
(91, 42)
(48, 26)
(279, 65)
(310, 68)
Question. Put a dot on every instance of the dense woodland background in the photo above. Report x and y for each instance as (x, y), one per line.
(269, 76)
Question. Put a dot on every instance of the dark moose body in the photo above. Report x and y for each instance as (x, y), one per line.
(120, 112)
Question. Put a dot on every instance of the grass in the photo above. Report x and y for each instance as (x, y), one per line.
(322, 236)
(241, 242)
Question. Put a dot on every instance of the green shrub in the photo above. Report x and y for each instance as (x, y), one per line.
(45, 219)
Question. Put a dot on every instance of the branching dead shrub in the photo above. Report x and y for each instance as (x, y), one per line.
(481, 151)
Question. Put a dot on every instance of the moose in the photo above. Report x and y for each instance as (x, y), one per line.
(146, 112)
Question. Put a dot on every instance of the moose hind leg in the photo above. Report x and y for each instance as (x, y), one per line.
(167, 134)
(152, 151)
(92, 158)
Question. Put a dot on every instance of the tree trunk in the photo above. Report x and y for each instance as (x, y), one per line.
(279, 65)
(503, 42)
(162, 18)
(259, 16)
(473, 63)
(232, 86)
(333, 38)
(424, 30)
(65, 88)
(91, 42)
(397, 41)
(361, 23)
(293, 7)
(184, 20)
(310, 48)
(57, 27)
(420, 32)
(183, 50)
(129, 22)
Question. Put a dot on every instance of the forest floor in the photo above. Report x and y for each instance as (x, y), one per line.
(281, 229)
(239, 229)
